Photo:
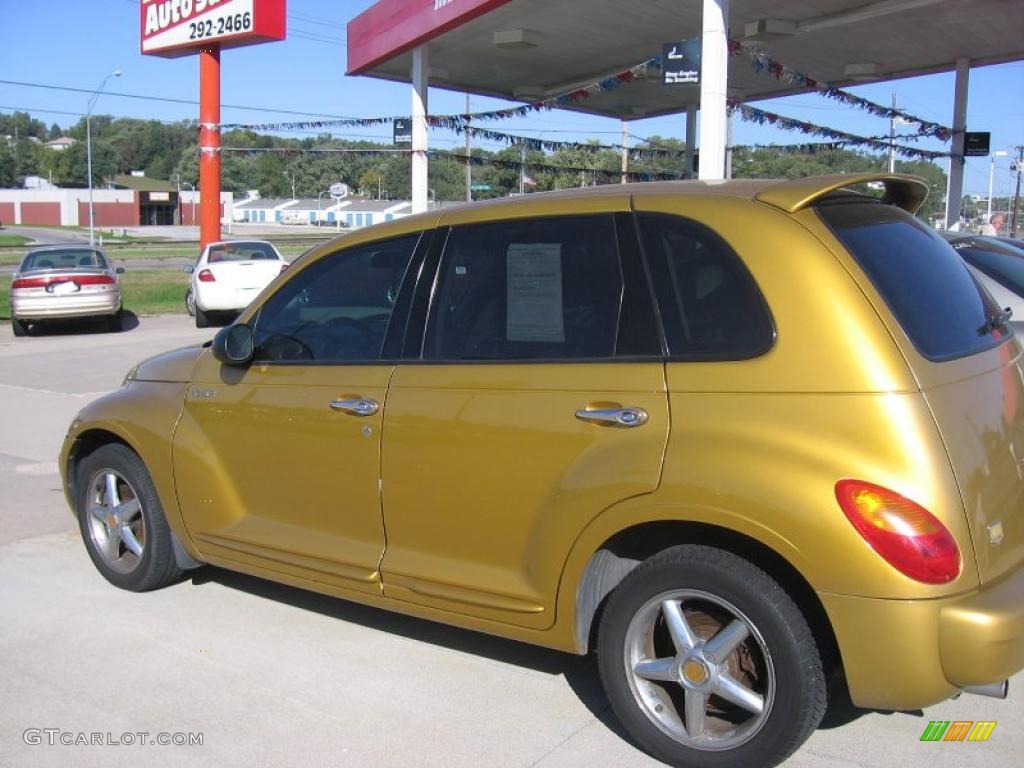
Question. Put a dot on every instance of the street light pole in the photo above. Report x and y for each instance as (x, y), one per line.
(88, 146)
(1019, 167)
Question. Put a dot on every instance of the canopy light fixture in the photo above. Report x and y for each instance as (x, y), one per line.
(769, 29)
(864, 71)
(515, 38)
(528, 92)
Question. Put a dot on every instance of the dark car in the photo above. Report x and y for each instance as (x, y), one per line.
(998, 264)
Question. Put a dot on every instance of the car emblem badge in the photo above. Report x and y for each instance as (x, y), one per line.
(203, 394)
(995, 532)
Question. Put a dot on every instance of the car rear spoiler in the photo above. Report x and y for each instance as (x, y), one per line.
(904, 191)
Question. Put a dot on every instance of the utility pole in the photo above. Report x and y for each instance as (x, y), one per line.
(469, 165)
(894, 120)
(522, 170)
(992, 181)
(625, 152)
(892, 137)
(1016, 196)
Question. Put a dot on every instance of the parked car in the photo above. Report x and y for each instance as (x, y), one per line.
(62, 282)
(743, 439)
(230, 274)
(999, 266)
(336, 224)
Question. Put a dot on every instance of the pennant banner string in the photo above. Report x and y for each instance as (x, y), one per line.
(760, 61)
(762, 117)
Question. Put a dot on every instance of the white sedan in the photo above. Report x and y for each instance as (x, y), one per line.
(230, 274)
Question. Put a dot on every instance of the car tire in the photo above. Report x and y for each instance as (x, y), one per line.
(122, 522)
(20, 327)
(202, 319)
(740, 657)
(116, 321)
(190, 303)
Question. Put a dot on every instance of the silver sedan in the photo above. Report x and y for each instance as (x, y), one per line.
(64, 282)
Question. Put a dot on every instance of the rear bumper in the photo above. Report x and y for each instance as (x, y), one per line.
(217, 299)
(907, 654)
(981, 637)
(51, 308)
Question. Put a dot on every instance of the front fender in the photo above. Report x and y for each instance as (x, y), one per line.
(143, 416)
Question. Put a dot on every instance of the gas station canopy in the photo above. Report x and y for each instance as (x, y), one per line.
(528, 50)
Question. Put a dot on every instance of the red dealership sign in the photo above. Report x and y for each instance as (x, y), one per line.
(180, 27)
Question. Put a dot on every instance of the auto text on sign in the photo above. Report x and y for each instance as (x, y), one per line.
(180, 22)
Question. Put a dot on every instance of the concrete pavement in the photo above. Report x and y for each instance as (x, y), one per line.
(274, 676)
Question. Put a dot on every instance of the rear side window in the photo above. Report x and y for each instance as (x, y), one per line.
(929, 289)
(538, 289)
(710, 307)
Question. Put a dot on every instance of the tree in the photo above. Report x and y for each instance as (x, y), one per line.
(8, 178)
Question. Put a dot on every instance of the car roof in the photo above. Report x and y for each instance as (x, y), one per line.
(238, 242)
(789, 195)
(63, 247)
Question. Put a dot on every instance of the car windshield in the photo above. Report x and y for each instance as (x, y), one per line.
(63, 258)
(241, 252)
(1003, 263)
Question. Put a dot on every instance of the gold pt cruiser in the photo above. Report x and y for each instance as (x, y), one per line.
(742, 439)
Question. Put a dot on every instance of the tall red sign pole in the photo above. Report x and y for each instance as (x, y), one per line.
(172, 28)
(209, 145)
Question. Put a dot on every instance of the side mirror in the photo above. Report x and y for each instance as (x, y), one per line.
(119, 270)
(188, 270)
(233, 345)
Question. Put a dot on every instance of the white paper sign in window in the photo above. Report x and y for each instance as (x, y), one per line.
(534, 279)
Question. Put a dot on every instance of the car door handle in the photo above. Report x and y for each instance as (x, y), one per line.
(614, 417)
(359, 407)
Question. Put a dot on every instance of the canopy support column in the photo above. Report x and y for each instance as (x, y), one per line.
(955, 186)
(691, 139)
(420, 84)
(713, 82)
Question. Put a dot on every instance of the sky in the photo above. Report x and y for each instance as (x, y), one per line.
(70, 43)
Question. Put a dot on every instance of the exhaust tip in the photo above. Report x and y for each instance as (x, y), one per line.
(992, 690)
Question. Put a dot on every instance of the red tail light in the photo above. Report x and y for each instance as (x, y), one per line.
(906, 535)
(42, 282)
(30, 282)
(206, 276)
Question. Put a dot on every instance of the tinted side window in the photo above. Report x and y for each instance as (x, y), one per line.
(710, 307)
(926, 285)
(338, 309)
(538, 289)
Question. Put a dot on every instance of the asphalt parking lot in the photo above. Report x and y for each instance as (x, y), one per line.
(273, 676)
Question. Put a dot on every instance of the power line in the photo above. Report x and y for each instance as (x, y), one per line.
(168, 99)
(317, 38)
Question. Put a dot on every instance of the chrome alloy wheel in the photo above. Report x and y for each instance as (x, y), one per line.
(699, 670)
(116, 525)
